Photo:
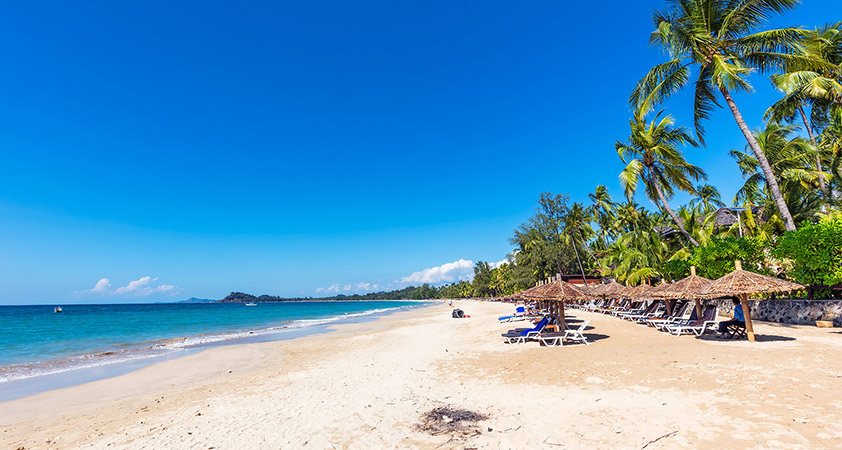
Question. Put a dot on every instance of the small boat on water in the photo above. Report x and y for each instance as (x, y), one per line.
(251, 304)
(57, 309)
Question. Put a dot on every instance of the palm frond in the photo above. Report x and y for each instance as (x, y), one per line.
(661, 82)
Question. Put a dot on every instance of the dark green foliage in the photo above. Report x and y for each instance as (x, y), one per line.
(815, 251)
(483, 279)
(238, 297)
(547, 244)
(717, 258)
(676, 269)
(422, 292)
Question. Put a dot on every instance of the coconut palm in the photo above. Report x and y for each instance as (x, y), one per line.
(577, 225)
(601, 208)
(651, 154)
(821, 90)
(628, 214)
(791, 161)
(717, 38)
(638, 254)
(707, 197)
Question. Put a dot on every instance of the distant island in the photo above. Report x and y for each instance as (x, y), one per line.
(198, 300)
(409, 293)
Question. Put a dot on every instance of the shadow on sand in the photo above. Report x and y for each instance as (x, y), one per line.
(757, 337)
(593, 337)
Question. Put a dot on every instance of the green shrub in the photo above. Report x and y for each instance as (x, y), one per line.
(676, 269)
(717, 258)
(815, 251)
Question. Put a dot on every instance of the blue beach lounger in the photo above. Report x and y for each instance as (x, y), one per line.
(518, 336)
(520, 314)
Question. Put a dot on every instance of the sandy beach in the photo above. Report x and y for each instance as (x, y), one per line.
(367, 385)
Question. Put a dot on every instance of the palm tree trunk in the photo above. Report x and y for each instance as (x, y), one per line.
(669, 210)
(599, 222)
(771, 181)
(809, 129)
(588, 250)
(579, 261)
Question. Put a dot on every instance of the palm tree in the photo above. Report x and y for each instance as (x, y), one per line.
(602, 207)
(577, 225)
(717, 38)
(651, 154)
(707, 197)
(628, 214)
(791, 162)
(638, 254)
(821, 90)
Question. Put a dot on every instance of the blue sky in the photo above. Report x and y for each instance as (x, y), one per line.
(184, 149)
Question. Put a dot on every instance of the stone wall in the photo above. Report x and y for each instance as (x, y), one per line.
(800, 312)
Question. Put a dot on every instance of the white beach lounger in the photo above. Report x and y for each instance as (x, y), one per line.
(683, 320)
(577, 335)
(708, 321)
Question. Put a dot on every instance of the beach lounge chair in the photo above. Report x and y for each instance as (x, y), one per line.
(632, 308)
(520, 314)
(591, 306)
(534, 322)
(556, 339)
(659, 312)
(577, 334)
(678, 311)
(617, 305)
(687, 318)
(608, 305)
(518, 337)
(650, 311)
(698, 327)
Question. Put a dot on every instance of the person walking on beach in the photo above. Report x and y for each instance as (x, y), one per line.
(739, 319)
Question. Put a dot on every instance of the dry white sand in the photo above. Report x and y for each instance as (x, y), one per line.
(367, 385)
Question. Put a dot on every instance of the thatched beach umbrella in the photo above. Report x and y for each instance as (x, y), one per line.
(635, 292)
(686, 288)
(536, 293)
(742, 283)
(645, 293)
(561, 291)
(533, 294)
(612, 290)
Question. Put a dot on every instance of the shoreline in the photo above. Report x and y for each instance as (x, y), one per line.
(70, 370)
(366, 385)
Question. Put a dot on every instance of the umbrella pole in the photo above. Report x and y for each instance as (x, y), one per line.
(747, 315)
(669, 307)
(698, 310)
(562, 323)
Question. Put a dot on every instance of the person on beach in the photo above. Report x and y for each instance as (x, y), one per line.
(739, 319)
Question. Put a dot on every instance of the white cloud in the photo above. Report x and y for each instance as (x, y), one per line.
(358, 288)
(462, 269)
(101, 287)
(135, 286)
(367, 287)
(332, 289)
(497, 264)
(141, 287)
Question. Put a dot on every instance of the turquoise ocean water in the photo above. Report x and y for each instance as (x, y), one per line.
(35, 341)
